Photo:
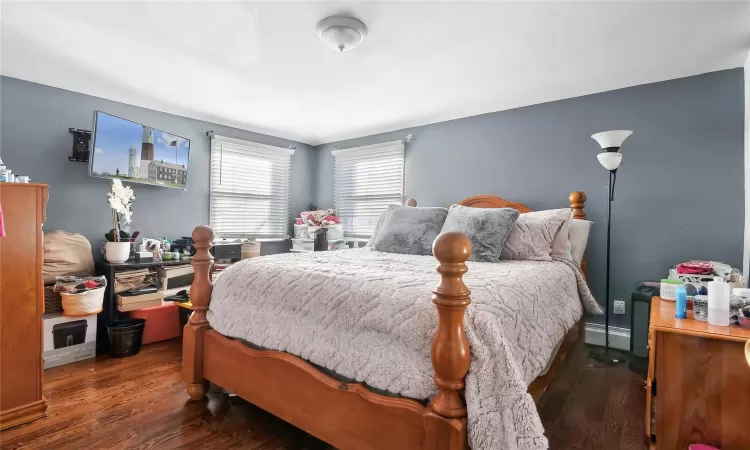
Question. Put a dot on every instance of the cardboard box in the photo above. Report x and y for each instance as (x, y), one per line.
(68, 339)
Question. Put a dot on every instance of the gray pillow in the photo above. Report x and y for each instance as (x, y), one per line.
(486, 228)
(409, 230)
(532, 237)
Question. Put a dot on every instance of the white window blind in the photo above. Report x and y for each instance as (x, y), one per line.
(367, 180)
(250, 186)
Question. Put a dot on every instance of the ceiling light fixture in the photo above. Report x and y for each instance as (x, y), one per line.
(341, 33)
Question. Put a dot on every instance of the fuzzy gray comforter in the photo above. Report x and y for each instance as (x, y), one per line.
(367, 315)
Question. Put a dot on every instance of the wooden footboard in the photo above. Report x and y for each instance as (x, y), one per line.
(346, 415)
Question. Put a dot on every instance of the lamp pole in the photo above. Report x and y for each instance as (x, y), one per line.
(609, 233)
(610, 158)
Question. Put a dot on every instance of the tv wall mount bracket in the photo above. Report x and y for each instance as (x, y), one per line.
(81, 145)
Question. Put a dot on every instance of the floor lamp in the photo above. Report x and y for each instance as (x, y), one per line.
(610, 158)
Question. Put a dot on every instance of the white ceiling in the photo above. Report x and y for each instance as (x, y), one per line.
(260, 65)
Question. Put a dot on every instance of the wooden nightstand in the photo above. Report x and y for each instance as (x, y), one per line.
(700, 381)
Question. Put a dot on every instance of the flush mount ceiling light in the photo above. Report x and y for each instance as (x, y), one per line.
(341, 33)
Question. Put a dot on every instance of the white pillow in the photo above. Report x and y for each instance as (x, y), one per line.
(561, 243)
(579, 236)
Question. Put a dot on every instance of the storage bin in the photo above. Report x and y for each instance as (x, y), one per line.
(300, 231)
(335, 232)
(303, 245)
(162, 322)
(83, 304)
(338, 245)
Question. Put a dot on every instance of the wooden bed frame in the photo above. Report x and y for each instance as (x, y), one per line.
(348, 415)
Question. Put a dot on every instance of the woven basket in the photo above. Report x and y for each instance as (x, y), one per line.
(83, 304)
(52, 299)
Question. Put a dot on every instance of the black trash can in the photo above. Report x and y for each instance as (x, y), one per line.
(125, 337)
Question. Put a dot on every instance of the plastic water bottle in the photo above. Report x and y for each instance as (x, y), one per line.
(718, 302)
(681, 303)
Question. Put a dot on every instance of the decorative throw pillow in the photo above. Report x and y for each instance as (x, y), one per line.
(486, 228)
(409, 230)
(579, 237)
(561, 244)
(532, 238)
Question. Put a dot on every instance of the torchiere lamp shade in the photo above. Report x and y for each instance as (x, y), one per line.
(610, 160)
(611, 139)
(610, 142)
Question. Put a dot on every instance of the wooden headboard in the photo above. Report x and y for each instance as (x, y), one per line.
(577, 201)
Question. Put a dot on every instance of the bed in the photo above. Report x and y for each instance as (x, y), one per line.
(259, 340)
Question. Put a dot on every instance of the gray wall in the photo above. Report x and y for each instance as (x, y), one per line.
(679, 193)
(34, 141)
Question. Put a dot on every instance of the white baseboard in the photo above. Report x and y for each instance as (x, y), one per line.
(619, 338)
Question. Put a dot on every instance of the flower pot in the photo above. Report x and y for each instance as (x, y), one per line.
(117, 252)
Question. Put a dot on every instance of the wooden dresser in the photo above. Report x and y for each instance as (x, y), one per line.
(21, 303)
(700, 381)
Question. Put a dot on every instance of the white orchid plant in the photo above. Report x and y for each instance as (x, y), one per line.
(120, 199)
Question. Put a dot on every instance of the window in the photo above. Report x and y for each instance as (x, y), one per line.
(250, 186)
(367, 180)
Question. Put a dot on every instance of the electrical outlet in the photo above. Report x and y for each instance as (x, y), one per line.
(619, 306)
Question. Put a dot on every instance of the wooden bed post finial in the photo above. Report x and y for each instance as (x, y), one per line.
(200, 290)
(200, 297)
(577, 201)
(450, 349)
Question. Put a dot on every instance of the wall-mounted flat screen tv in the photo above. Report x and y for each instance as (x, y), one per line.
(138, 153)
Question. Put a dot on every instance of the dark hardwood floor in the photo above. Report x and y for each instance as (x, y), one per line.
(140, 402)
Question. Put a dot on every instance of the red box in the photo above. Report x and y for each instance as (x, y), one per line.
(162, 322)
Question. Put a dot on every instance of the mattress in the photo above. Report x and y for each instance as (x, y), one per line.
(367, 316)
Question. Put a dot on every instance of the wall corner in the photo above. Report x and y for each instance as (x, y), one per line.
(746, 248)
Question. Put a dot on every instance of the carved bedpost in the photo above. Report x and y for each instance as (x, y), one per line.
(445, 424)
(577, 201)
(200, 297)
(411, 202)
